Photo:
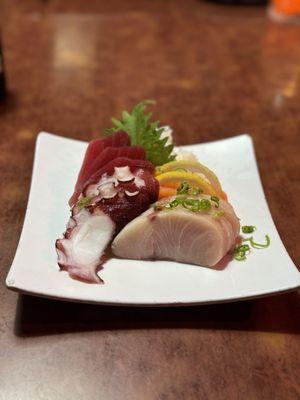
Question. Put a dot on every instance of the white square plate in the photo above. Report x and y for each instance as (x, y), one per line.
(129, 282)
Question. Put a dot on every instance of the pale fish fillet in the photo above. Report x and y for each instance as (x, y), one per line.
(180, 235)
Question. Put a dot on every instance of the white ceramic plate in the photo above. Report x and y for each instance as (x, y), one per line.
(127, 282)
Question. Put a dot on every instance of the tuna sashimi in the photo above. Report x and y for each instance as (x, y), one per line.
(179, 234)
(110, 153)
(108, 203)
(105, 156)
(94, 149)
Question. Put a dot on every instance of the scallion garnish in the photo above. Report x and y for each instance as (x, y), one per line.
(218, 214)
(191, 204)
(241, 251)
(248, 228)
(258, 245)
(244, 247)
(183, 188)
(216, 200)
(188, 203)
(83, 202)
(172, 204)
(205, 204)
(196, 191)
(240, 257)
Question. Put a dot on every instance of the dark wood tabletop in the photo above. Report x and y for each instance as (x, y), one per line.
(215, 71)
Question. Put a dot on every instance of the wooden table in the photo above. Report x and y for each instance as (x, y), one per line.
(215, 71)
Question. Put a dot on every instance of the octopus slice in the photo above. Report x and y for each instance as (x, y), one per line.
(106, 205)
(81, 250)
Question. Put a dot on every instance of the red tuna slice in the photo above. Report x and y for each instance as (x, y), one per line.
(95, 147)
(118, 139)
(120, 162)
(108, 154)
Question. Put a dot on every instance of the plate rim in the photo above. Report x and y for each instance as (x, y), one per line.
(116, 303)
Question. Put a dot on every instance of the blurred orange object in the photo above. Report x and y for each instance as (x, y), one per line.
(287, 7)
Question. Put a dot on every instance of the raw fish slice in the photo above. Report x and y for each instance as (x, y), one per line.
(231, 217)
(118, 139)
(140, 248)
(108, 154)
(229, 238)
(95, 147)
(178, 234)
(191, 240)
(171, 235)
(120, 162)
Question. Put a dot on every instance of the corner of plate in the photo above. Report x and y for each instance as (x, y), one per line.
(248, 137)
(43, 134)
(9, 282)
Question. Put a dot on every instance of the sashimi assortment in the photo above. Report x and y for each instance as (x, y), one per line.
(137, 197)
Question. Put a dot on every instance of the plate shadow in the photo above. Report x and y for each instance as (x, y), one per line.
(39, 316)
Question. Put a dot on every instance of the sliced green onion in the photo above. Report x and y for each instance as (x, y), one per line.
(83, 202)
(191, 204)
(258, 245)
(216, 200)
(241, 251)
(248, 228)
(243, 247)
(172, 204)
(183, 188)
(205, 204)
(240, 256)
(218, 214)
(196, 191)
